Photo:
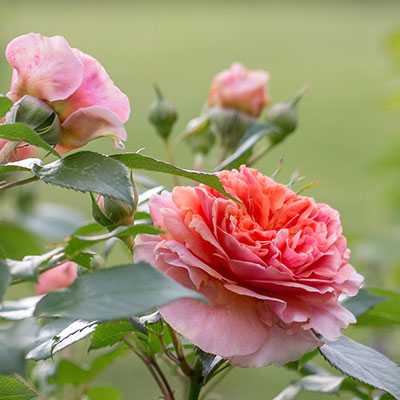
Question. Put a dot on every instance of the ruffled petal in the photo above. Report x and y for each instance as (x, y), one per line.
(90, 123)
(45, 68)
(97, 89)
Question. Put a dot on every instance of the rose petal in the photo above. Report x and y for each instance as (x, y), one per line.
(44, 67)
(90, 123)
(57, 278)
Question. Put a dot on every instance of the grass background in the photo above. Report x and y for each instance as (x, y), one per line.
(336, 47)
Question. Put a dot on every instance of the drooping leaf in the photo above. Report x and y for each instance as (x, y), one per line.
(5, 105)
(364, 364)
(140, 161)
(113, 294)
(16, 338)
(22, 133)
(15, 310)
(11, 389)
(5, 278)
(362, 302)
(109, 333)
(255, 132)
(385, 313)
(208, 361)
(103, 393)
(87, 171)
(58, 335)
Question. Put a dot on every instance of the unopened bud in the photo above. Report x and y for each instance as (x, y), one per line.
(112, 213)
(39, 116)
(163, 115)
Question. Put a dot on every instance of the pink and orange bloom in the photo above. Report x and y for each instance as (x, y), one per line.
(272, 271)
(73, 83)
(241, 89)
(57, 278)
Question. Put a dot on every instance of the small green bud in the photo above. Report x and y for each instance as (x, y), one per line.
(39, 116)
(283, 115)
(163, 115)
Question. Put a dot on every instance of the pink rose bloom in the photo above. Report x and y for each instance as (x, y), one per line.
(73, 83)
(22, 153)
(57, 278)
(241, 89)
(272, 271)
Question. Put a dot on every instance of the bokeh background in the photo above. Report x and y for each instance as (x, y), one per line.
(346, 126)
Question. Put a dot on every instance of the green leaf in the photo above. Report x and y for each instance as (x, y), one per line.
(290, 392)
(254, 133)
(140, 161)
(322, 383)
(208, 361)
(15, 310)
(364, 364)
(58, 335)
(11, 389)
(363, 302)
(68, 372)
(109, 333)
(86, 171)
(5, 105)
(22, 133)
(385, 313)
(103, 393)
(19, 166)
(5, 278)
(113, 294)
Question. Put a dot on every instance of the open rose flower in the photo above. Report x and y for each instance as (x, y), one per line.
(57, 278)
(272, 271)
(75, 84)
(240, 89)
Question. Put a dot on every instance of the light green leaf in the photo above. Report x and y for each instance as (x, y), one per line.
(11, 389)
(109, 333)
(140, 161)
(364, 364)
(86, 171)
(15, 310)
(103, 393)
(290, 392)
(58, 335)
(322, 383)
(5, 105)
(22, 133)
(362, 302)
(113, 294)
(5, 278)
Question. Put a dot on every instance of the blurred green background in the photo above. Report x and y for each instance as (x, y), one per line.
(338, 48)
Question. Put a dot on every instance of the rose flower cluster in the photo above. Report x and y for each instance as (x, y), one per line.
(272, 268)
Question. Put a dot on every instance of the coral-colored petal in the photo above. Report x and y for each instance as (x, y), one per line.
(90, 123)
(279, 349)
(97, 89)
(44, 67)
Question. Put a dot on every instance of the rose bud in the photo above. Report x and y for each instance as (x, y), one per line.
(57, 278)
(240, 89)
(163, 115)
(112, 213)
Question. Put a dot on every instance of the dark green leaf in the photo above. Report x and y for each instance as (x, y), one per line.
(5, 105)
(364, 364)
(103, 393)
(255, 132)
(140, 161)
(113, 294)
(109, 333)
(5, 278)
(363, 302)
(15, 340)
(208, 361)
(22, 133)
(385, 313)
(86, 171)
(57, 335)
(11, 389)
(15, 310)
(68, 372)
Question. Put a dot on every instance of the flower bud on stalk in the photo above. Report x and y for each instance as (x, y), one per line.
(39, 116)
(163, 115)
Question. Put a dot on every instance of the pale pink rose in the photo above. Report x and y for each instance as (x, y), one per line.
(22, 151)
(57, 278)
(73, 83)
(241, 89)
(272, 271)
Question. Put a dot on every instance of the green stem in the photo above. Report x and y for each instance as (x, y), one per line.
(5, 152)
(18, 183)
(171, 158)
(183, 364)
(196, 382)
